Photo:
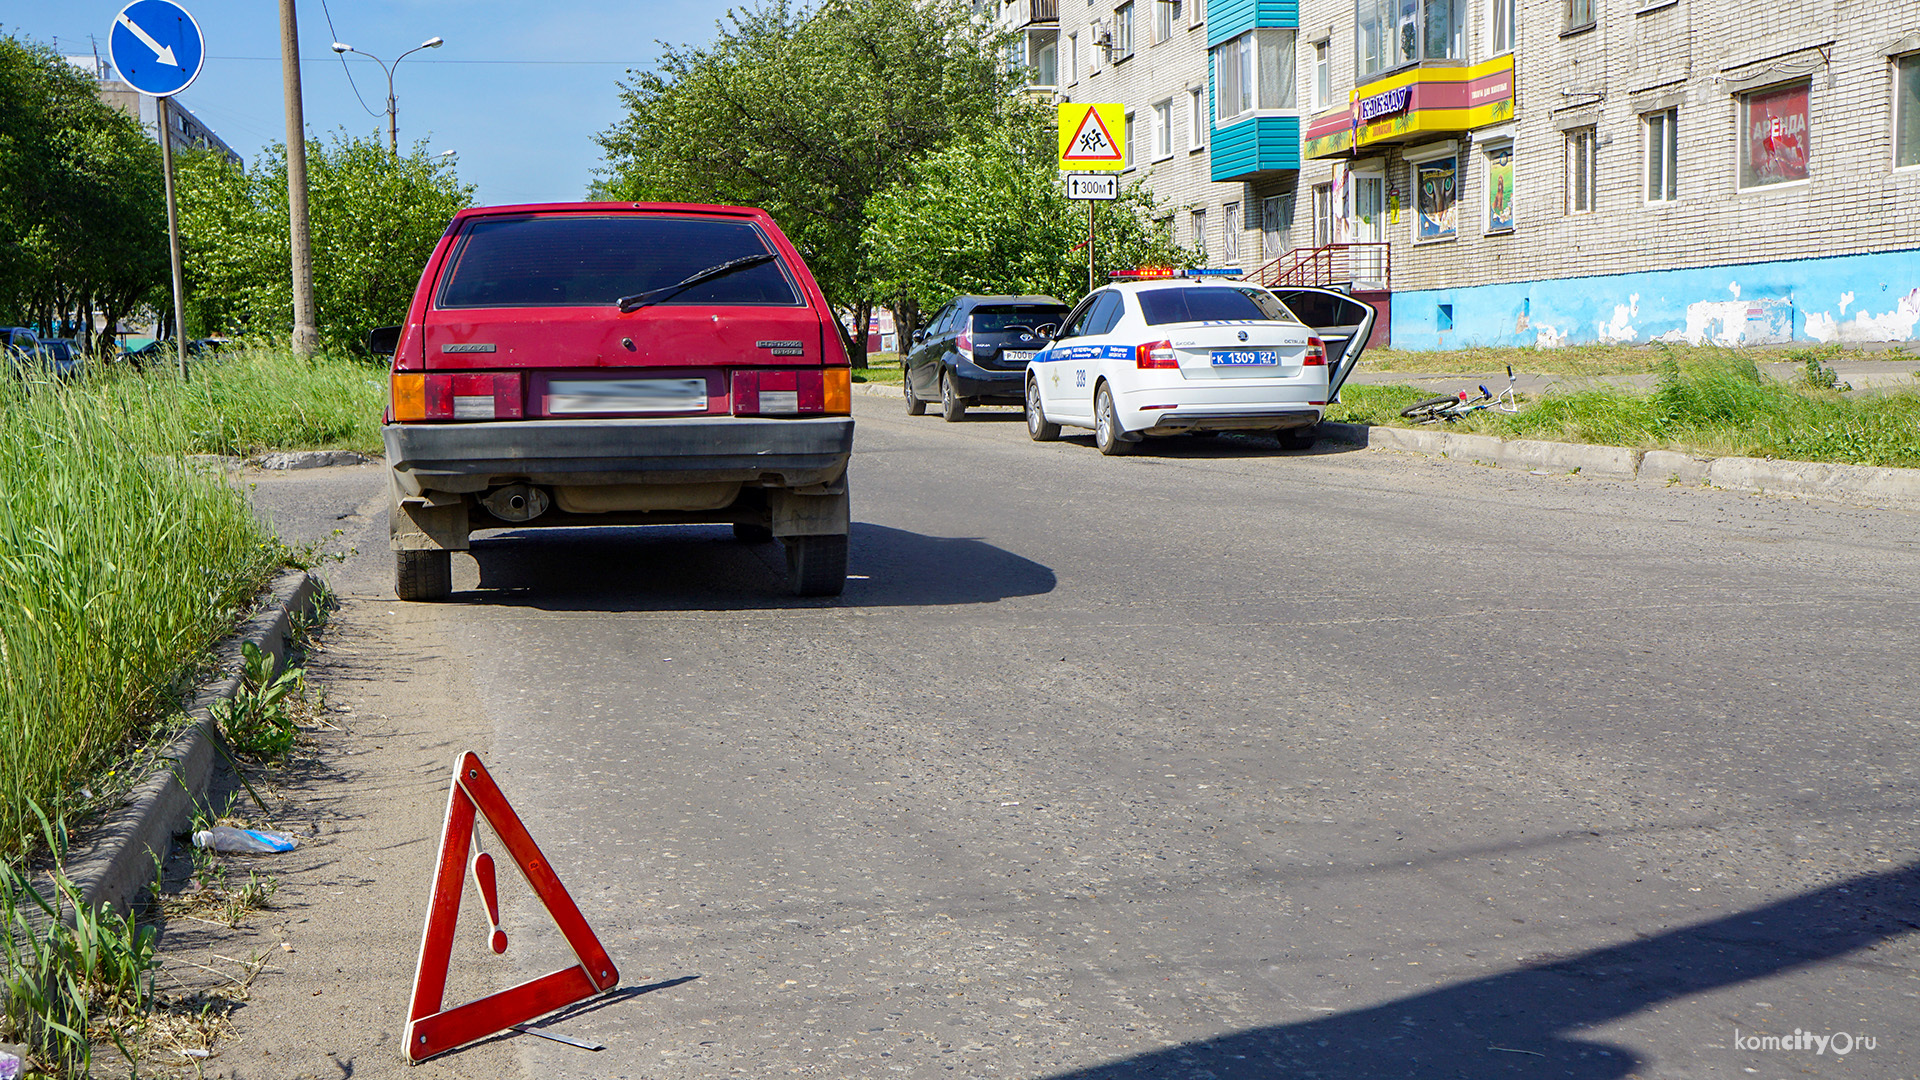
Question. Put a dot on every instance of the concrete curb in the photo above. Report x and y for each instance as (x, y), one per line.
(117, 859)
(1849, 483)
(868, 389)
(312, 459)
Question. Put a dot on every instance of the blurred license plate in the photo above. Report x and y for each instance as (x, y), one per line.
(1017, 356)
(626, 396)
(1245, 357)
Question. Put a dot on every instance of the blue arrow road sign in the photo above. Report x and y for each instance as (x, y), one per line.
(156, 46)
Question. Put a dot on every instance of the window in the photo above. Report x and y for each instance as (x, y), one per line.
(1392, 33)
(1577, 13)
(1773, 136)
(1500, 188)
(1906, 111)
(1275, 220)
(1230, 233)
(1663, 155)
(1322, 75)
(1159, 307)
(1163, 20)
(1163, 130)
(587, 260)
(1196, 12)
(1197, 232)
(1073, 59)
(1322, 215)
(1046, 62)
(1436, 198)
(1123, 31)
(1583, 173)
(1197, 118)
(1501, 32)
(1127, 138)
(1253, 71)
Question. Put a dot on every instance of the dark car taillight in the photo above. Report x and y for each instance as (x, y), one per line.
(458, 396)
(805, 392)
(964, 339)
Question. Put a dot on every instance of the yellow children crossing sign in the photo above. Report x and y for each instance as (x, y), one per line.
(1093, 138)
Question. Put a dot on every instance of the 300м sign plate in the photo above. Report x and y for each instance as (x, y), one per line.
(1093, 187)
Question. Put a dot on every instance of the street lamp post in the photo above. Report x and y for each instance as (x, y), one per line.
(393, 112)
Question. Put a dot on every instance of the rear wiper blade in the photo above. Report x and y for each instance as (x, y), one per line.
(640, 300)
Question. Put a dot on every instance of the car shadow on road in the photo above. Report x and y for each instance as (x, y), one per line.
(1526, 1022)
(1224, 445)
(703, 568)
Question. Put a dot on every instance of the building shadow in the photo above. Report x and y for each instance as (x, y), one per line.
(672, 568)
(1525, 1022)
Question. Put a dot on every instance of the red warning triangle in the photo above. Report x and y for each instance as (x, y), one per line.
(1092, 142)
(430, 1028)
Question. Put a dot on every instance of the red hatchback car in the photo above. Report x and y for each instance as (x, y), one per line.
(617, 364)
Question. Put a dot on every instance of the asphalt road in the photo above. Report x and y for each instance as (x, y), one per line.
(1214, 761)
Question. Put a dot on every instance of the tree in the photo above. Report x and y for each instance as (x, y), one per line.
(808, 116)
(82, 216)
(376, 218)
(990, 216)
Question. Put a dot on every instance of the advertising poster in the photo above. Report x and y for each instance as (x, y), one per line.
(1438, 188)
(1500, 190)
(1776, 137)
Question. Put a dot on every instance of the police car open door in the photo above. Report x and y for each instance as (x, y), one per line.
(1342, 322)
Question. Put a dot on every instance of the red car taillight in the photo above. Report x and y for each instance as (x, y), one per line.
(1316, 353)
(806, 392)
(1157, 355)
(462, 396)
(964, 339)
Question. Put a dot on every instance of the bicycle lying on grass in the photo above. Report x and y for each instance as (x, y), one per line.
(1451, 407)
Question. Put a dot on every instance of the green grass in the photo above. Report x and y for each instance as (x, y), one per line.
(122, 562)
(249, 400)
(1713, 402)
(885, 370)
(1588, 361)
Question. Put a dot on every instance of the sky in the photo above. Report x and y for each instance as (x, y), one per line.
(519, 89)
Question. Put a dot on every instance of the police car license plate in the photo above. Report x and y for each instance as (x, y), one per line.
(1245, 357)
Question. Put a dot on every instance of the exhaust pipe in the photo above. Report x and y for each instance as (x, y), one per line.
(516, 502)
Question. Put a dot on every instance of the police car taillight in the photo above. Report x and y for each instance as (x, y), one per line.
(1316, 353)
(1157, 355)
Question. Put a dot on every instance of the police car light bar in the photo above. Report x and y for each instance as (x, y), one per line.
(1151, 272)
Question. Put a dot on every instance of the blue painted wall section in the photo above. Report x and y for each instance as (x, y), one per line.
(1231, 18)
(1848, 298)
(1247, 148)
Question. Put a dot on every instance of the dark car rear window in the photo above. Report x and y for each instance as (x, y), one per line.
(1000, 318)
(579, 261)
(1159, 306)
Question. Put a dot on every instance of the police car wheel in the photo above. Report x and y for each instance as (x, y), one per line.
(1108, 437)
(1038, 429)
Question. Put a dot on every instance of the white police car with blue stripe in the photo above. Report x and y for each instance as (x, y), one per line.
(1169, 356)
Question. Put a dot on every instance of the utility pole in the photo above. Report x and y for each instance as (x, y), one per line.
(306, 334)
(162, 108)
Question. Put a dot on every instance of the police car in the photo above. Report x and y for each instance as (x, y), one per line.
(1169, 355)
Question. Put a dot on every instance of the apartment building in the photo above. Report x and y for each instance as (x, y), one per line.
(1536, 172)
(186, 130)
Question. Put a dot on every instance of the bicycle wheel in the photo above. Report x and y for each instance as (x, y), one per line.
(1430, 409)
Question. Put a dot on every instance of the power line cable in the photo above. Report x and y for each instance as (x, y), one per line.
(343, 61)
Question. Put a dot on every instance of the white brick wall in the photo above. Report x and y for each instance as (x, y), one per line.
(1688, 54)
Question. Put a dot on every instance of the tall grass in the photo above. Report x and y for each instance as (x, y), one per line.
(120, 563)
(1717, 403)
(249, 399)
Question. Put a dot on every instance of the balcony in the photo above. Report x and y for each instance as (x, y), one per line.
(1024, 13)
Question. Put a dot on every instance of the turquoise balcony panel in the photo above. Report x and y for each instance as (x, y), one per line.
(1250, 149)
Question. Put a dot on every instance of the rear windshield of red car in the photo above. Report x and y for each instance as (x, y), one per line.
(594, 261)
(1190, 304)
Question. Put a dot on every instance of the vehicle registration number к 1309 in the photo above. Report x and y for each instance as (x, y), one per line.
(1245, 357)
